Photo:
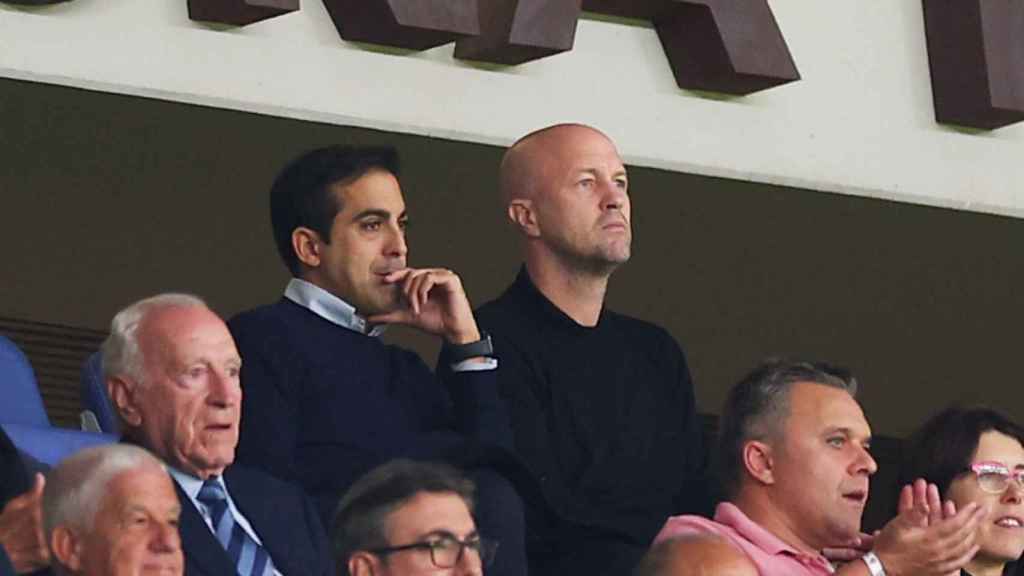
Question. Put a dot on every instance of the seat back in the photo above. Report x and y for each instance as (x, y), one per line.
(22, 403)
(51, 445)
(94, 394)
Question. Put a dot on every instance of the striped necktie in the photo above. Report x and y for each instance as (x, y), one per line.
(249, 558)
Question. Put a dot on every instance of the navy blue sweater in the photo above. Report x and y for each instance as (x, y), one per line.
(323, 404)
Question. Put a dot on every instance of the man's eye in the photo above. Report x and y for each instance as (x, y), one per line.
(371, 226)
(403, 224)
(196, 372)
(622, 184)
(836, 441)
(586, 183)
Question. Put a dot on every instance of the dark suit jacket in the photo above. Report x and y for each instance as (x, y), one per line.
(280, 513)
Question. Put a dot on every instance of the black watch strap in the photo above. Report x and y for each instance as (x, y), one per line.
(459, 352)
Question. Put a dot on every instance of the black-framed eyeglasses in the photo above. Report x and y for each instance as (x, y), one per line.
(995, 477)
(446, 552)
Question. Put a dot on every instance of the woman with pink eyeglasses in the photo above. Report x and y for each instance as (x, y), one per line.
(977, 455)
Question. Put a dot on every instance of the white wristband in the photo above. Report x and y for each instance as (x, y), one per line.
(874, 564)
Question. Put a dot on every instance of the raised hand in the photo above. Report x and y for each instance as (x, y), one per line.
(21, 530)
(435, 303)
(928, 537)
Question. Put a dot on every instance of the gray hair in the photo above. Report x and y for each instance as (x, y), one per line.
(75, 488)
(121, 352)
(360, 522)
(757, 406)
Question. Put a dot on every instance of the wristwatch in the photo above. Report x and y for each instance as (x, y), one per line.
(874, 564)
(459, 352)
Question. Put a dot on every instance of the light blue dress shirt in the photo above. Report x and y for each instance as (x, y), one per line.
(337, 311)
(191, 486)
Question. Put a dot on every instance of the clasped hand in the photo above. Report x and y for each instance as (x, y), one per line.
(435, 303)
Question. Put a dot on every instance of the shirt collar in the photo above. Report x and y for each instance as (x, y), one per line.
(524, 289)
(190, 484)
(329, 307)
(729, 514)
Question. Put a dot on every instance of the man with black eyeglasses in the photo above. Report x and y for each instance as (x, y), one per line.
(407, 518)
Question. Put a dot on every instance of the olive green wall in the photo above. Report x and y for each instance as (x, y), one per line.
(111, 198)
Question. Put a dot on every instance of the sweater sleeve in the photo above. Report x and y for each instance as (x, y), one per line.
(694, 496)
(270, 411)
(526, 407)
(477, 412)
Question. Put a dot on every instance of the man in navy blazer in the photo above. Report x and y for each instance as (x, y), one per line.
(172, 371)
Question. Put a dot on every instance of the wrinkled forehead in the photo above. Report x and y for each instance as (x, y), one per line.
(579, 147)
(143, 487)
(180, 334)
(814, 408)
(377, 189)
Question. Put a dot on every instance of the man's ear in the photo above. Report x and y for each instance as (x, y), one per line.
(67, 548)
(757, 459)
(362, 563)
(122, 392)
(306, 244)
(520, 212)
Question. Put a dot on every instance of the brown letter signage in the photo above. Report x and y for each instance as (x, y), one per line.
(410, 24)
(730, 46)
(517, 31)
(239, 12)
(976, 56)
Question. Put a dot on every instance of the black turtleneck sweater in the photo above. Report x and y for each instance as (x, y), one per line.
(603, 416)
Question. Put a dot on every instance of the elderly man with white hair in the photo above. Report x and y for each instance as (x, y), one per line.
(172, 371)
(112, 511)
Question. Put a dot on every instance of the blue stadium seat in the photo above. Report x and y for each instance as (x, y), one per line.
(22, 403)
(50, 445)
(94, 394)
(23, 415)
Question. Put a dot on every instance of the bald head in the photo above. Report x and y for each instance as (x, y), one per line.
(528, 163)
(695, 556)
(565, 190)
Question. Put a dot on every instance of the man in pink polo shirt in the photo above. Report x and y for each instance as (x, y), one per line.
(795, 465)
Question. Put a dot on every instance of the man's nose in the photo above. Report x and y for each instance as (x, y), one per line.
(396, 245)
(224, 388)
(469, 564)
(865, 463)
(615, 196)
(166, 538)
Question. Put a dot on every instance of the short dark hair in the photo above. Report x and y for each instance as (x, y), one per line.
(301, 194)
(361, 517)
(756, 407)
(943, 447)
